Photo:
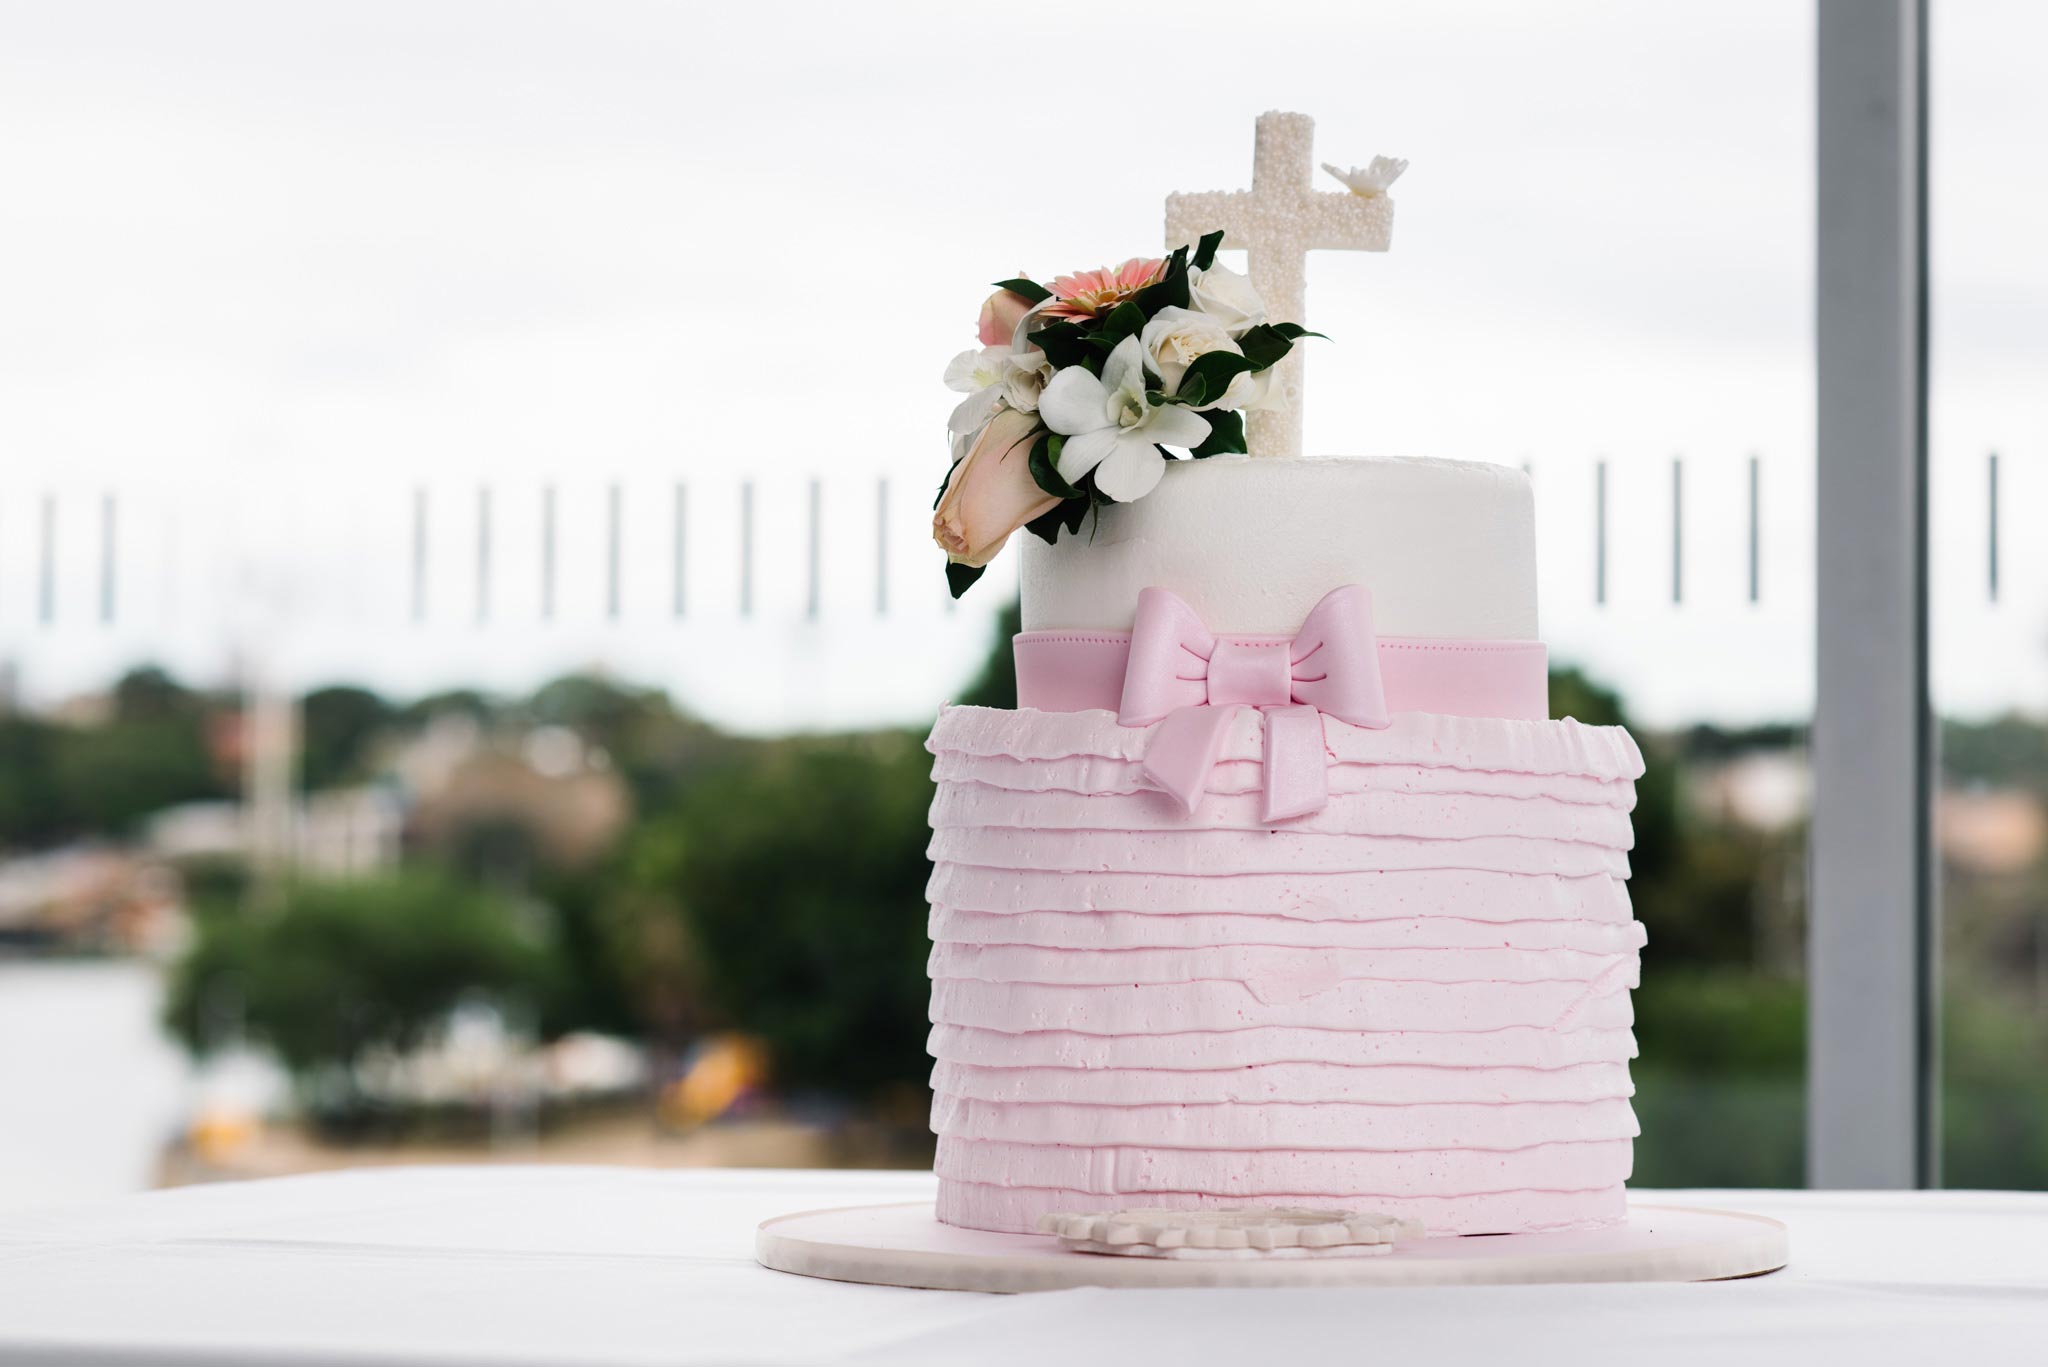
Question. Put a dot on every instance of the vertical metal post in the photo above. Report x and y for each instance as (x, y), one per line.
(1755, 533)
(1600, 532)
(611, 553)
(811, 587)
(419, 552)
(882, 547)
(46, 565)
(483, 553)
(547, 553)
(1871, 1079)
(107, 558)
(1991, 515)
(1677, 529)
(680, 535)
(747, 548)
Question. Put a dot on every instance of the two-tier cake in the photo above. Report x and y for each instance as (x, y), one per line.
(1412, 999)
(1279, 887)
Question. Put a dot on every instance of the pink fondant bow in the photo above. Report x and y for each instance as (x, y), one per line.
(1192, 682)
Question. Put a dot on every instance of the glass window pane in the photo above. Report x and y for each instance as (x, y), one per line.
(383, 367)
(1989, 478)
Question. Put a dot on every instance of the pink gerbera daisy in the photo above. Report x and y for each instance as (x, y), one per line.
(1086, 294)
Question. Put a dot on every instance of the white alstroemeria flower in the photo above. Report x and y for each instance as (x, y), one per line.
(1373, 179)
(1227, 297)
(1175, 338)
(979, 375)
(1111, 429)
(1025, 375)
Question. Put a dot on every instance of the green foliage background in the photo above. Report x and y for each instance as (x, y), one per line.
(328, 972)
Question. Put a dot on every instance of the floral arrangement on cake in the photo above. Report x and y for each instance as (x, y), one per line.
(1083, 389)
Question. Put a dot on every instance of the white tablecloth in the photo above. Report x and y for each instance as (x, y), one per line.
(607, 1265)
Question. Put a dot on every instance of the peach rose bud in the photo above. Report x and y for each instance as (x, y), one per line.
(991, 492)
(1000, 313)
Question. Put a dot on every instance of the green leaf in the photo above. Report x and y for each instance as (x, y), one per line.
(1264, 345)
(1045, 466)
(1205, 250)
(1294, 332)
(941, 496)
(1046, 526)
(1170, 289)
(1064, 516)
(1210, 376)
(1125, 320)
(1025, 289)
(960, 578)
(1226, 436)
(1064, 344)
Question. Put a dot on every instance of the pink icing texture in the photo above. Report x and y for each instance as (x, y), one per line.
(1412, 999)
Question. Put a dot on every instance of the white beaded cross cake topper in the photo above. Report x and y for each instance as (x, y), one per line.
(1279, 221)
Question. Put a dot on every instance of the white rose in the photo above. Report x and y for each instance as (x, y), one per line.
(1176, 338)
(1025, 374)
(1227, 297)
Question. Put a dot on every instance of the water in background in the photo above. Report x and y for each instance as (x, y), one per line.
(90, 1086)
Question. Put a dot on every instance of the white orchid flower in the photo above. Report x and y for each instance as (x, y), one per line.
(976, 369)
(1373, 179)
(1110, 427)
(978, 374)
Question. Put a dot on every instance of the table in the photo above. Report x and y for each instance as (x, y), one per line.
(546, 1265)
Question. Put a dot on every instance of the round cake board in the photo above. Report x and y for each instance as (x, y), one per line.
(905, 1245)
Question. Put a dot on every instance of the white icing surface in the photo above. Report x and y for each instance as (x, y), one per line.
(1448, 548)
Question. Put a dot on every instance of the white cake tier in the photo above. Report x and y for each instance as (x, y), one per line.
(1448, 548)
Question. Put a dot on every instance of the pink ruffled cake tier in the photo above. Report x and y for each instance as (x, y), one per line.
(1414, 1000)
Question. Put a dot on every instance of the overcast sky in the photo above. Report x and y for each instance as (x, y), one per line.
(267, 269)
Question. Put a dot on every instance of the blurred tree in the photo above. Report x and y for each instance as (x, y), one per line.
(789, 893)
(345, 967)
(336, 729)
(148, 693)
(32, 806)
(643, 930)
(654, 746)
(153, 752)
(108, 778)
(2010, 751)
(461, 702)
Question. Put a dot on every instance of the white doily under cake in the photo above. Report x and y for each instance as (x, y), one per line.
(905, 1245)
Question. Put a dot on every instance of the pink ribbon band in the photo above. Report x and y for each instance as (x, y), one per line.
(1173, 674)
(1064, 671)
